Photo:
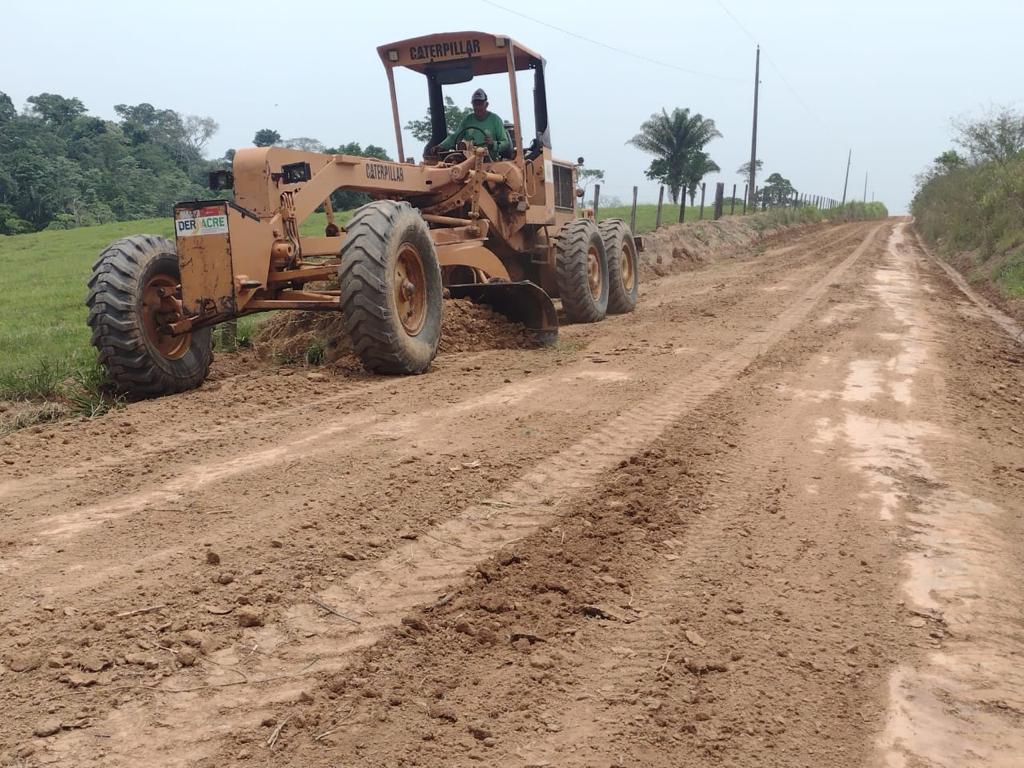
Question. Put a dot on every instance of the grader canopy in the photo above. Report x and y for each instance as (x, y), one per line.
(458, 57)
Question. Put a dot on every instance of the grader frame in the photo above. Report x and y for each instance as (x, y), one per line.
(508, 204)
(499, 231)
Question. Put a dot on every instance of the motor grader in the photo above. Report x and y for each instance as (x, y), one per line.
(501, 231)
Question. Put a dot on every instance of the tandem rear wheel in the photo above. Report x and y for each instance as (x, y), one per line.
(623, 266)
(581, 271)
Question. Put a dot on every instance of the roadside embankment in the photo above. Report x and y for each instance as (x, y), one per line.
(973, 218)
(680, 247)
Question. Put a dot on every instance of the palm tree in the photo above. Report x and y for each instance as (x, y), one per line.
(698, 165)
(676, 140)
(744, 170)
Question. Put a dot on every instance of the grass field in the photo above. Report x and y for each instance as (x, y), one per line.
(647, 214)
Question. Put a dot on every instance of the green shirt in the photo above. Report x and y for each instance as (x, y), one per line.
(491, 125)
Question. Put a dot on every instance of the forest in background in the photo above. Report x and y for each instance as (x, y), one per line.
(61, 167)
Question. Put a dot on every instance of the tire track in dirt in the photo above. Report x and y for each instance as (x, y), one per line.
(169, 443)
(458, 544)
(633, 689)
(632, 676)
(418, 573)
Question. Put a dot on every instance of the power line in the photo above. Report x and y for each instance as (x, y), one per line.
(606, 46)
(773, 65)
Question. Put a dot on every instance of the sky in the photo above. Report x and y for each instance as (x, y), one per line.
(882, 79)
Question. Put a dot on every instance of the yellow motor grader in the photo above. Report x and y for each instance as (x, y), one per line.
(503, 231)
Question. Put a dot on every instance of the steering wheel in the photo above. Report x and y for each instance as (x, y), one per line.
(471, 128)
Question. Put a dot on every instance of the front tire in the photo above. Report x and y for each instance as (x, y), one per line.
(581, 271)
(391, 289)
(623, 266)
(128, 320)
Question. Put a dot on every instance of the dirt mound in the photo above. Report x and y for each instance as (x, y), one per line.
(320, 337)
(681, 247)
(469, 327)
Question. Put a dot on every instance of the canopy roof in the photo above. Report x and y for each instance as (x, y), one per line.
(486, 53)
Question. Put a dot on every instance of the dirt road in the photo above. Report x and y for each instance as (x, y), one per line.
(773, 518)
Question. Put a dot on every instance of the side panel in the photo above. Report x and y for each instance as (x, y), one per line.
(540, 189)
(204, 257)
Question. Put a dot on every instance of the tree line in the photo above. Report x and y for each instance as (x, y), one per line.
(61, 167)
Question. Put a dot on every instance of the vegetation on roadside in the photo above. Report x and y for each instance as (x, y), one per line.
(782, 217)
(647, 215)
(970, 203)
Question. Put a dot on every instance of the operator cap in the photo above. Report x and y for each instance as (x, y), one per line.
(479, 95)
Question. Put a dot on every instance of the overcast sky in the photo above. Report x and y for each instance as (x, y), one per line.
(880, 78)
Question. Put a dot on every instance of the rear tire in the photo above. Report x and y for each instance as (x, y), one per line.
(139, 359)
(623, 266)
(581, 271)
(391, 289)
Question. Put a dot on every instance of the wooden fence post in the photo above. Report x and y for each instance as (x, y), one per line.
(597, 199)
(632, 215)
(732, 205)
(745, 190)
(703, 188)
(719, 199)
(682, 206)
(661, 199)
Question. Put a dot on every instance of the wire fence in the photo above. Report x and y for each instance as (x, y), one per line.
(763, 199)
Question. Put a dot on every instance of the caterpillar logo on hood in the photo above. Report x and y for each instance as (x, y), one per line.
(445, 50)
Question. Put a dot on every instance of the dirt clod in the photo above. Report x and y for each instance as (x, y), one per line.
(47, 727)
(24, 662)
(249, 617)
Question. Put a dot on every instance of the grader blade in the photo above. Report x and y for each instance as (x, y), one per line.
(521, 302)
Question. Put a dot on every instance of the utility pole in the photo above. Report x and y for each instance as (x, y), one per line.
(753, 134)
(847, 180)
(865, 186)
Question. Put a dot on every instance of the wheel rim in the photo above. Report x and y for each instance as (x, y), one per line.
(594, 276)
(410, 281)
(155, 315)
(626, 268)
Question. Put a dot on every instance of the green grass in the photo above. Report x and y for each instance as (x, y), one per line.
(44, 340)
(647, 214)
(1009, 275)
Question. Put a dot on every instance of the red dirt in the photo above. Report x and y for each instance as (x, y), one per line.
(769, 519)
